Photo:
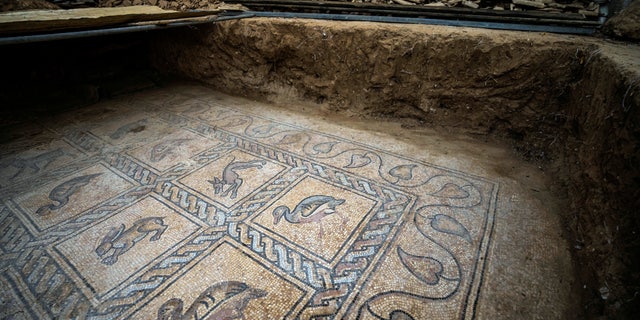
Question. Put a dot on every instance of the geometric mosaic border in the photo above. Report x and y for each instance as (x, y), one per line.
(415, 203)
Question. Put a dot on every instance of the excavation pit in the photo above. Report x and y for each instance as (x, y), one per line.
(302, 168)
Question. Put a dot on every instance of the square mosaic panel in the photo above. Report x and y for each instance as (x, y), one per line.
(250, 289)
(184, 205)
(104, 255)
(166, 153)
(230, 178)
(32, 162)
(340, 214)
(48, 205)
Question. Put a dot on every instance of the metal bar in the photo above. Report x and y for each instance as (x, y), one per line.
(426, 14)
(441, 22)
(356, 6)
(340, 17)
(113, 31)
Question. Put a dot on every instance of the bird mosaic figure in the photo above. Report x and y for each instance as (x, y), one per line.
(222, 301)
(63, 192)
(310, 209)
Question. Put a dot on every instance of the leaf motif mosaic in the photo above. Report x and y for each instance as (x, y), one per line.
(183, 205)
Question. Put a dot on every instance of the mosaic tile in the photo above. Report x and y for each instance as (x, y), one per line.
(183, 203)
(164, 154)
(249, 289)
(105, 255)
(63, 199)
(317, 217)
(36, 161)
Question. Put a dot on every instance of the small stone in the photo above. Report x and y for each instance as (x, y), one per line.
(589, 13)
(557, 5)
(604, 293)
(470, 4)
(575, 5)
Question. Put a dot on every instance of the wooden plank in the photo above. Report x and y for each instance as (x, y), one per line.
(37, 21)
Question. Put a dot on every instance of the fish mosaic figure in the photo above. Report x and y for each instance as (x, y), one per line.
(135, 126)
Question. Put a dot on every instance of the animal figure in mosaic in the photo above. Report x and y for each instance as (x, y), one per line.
(118, 240)
(162, 149)
(222, 301)
(310, 209)
(35, 163)
(63, 191)
(135, 126)
(230, 177)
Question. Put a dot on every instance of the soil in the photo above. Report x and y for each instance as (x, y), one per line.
(569, 105)
(15, 5)
(574, 8)
(164, 4)
(566, 103)
(625, 25)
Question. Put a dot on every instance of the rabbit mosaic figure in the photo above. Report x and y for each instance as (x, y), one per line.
(118, 240)
(231, 177)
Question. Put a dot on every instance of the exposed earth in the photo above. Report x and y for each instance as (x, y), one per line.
(542, 92)
(550, 119)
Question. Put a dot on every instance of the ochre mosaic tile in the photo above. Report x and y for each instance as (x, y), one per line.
(249, 289)
(65, 198)
(106, 254)
(166, 153)
(316, 217)
(181, 204)
(33, 162)
(231, 177)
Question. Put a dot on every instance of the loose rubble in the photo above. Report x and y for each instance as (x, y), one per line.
(583, 8)
(625, 25)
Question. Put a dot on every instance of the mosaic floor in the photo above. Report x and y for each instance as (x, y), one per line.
(180, 204)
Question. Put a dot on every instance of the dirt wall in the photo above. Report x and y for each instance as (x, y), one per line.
(15, 5)
(560, 100)
(164, 4)
(476, 81)
(626, 24)
(602, 165)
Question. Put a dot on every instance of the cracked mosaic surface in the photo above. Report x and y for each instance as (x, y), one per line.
(179, 204)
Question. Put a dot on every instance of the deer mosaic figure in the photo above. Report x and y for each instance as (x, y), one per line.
(230, 177)
(118, 240)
